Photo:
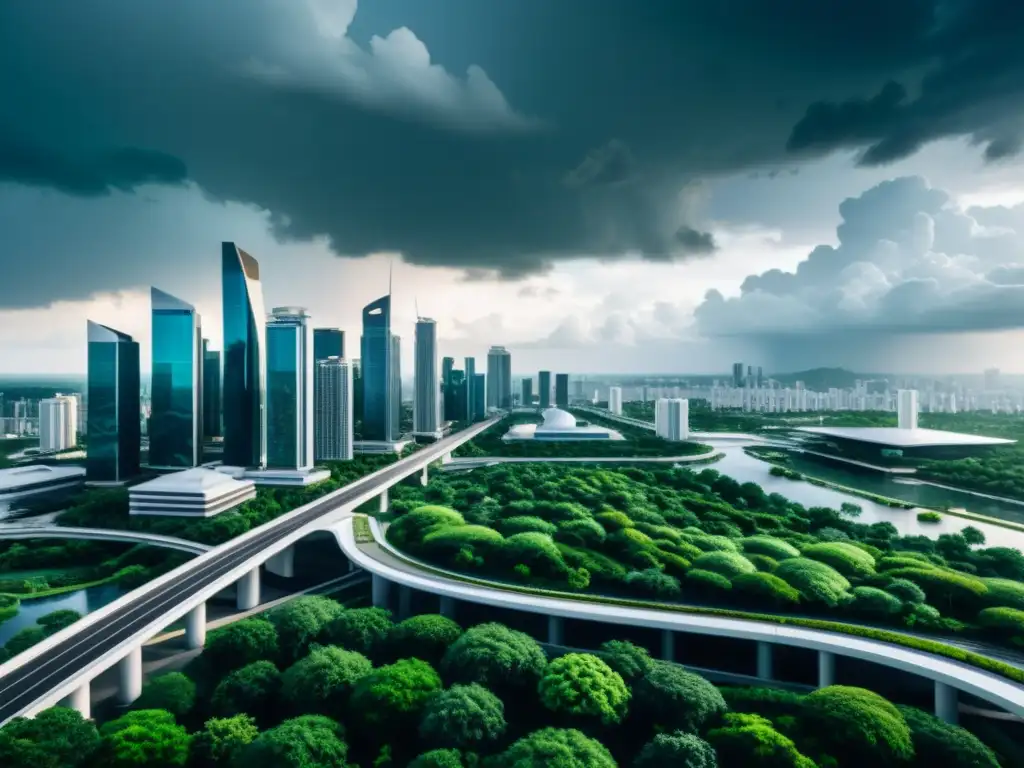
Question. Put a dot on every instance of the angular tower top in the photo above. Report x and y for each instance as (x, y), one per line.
(164, 301)
(105, 334)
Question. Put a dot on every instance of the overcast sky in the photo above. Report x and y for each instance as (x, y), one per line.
(664, 186)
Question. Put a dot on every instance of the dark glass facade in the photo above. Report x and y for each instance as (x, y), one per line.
(283, 401)
(527, 394)
(479, 384)
(175, 424)
(114, 414)
(562, 390)
(245, 366)
(211, 393)
(381, 403)
(470, 388)
(328, 342)
(544, 388)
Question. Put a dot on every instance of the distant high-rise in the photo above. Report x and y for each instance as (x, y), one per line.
(672, 418)
(396, 386)
(447, 393)
(58, 423)
(499, 378)
(479, 385)
(615, 400)
(289, 390)
(991, 379)
(544, 388)
(760, 377)
(176, 420)
(114, 394)
(333, 412)
(426, 417)
(328, 342)
(561, 390)
(906, 408)
(527, 394)
(737, 374)
(459, 407)
(471, 407)
(244, 385)
(212, 426)
(378, 369)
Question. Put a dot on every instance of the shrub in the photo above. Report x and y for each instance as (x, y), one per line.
(221, 740)
(676, 750)
(770, 702)
(241, 643)
(906, 590)
(728, 564)
(392, 697)
(144, 737)
(526, 523)
(709, 543)
(300, 621)
(411, 527)
(769, 546)
(765, 587)
(613, 520)
(763, 563)
(426, 637)
(860, 725)
(561, 747)
(57, 737)
(495, 656)
(537, 551)
(255, 690)
(849, 560)
(363, 630)
(903, 560)
(629, 660)
(322, 682)
(707, 581)
(446, 542)
(940, 745)
(173, 692)
(653, 583)
(463, 717)
(871, 601)
(929, 517)
(1005, 622)
(583, 685)
(673, 698)
(949, 590)
(1004, 593)
(814, 580)
(310, 740)
(750, 740)
(438, 758)
(586, 533)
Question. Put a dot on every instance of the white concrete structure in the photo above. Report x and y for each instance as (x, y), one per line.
(906, 408)
(499, 378)
(333, 415)
(672, 418)
(58, 423)
(196, 492)
(560, 425)
(426, 404)
(907, 438)
(100, 534)
(615, 400)
(38, 478)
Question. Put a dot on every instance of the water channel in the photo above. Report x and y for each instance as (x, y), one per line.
(83, 600)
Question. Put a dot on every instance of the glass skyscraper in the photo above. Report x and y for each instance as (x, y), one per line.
(114, 392)
(289, 390)
(470, 388)
(333, 410)
(176, 421)
(211, 392)
(328, 342)
(562, 390)
(426, 417)
(479, 386)
(245, 360)
(499, 378)
(544, 388)
(379, 373)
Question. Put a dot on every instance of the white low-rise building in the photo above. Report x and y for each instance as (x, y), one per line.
(197, 492)
(672, 418)
(559, 425)
(38, 478)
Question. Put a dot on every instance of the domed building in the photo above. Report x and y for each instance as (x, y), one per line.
(560, 425)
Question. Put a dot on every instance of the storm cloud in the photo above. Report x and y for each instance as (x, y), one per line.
(485, 135)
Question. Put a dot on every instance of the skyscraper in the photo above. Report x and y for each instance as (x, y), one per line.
(737, 374)
(212, 426)
(289, 390)
(328, 342)
(459, 396)
(244, 392)
(527, 394)
(561, 390)
(176, 420)
(672, 418)
(471, 407)
(333, 412)
(426, 418)
(377, 369)
(499, 378)
(906, 408)
(615, 400)
(479, 385)
(447, 392)
(544, 388)
(114, 405)
(396, 386)
(58, 423)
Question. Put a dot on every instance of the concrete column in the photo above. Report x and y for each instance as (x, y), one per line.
(129, 670)
(446, 458)
(283, 563)
(404, 602)
(826, 669)
(80, 700)
(384, 503)
(668, 645)
(424, 478)
(352, 567)
(195, 627)
(381, 591)
(248, 590)
(556, 630)
(764, 660)
(448, 607)
(947, 704)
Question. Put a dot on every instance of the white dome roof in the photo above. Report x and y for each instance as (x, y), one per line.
(556, 418)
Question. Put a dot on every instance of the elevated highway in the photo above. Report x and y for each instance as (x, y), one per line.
(101, 534)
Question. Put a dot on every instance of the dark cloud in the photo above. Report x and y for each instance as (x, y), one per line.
(694, 241)
(480, 134)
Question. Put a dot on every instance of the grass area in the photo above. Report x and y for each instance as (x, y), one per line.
(53, 591)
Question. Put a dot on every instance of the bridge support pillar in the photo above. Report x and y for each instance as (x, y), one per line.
(826, 669)
(248, 590)
(424, 477)
(283, 563)
(947, 704)
(446, 458)
(404, 602)
(447, 608)
(384, 502)
(381, 590)
(129, 671)
(556, 630)
(764, 660)
(80, 700)
(668, 645)
(195, 627)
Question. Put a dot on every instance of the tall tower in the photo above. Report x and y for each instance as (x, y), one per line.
(289, 390)
(672, 418)
(328, 342)
(114, 394)
(176, 421)
(58, 423)
(245, 360)
(615, 400)
(377, 368)
(426, 392)
(561, 390)
(212, 426)
(526, 399)
(333, 411)
(499, 378)
(544, 388)
(471, 406)
(906, 408)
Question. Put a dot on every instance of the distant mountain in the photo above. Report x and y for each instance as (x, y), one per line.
(821, 379)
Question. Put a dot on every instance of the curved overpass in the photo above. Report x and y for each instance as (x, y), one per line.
(390, 566)
(472, 462)
(63, 665)
(101, 534)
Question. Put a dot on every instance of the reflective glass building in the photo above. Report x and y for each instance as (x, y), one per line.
(115, 416)
(379, 373)
(426, 405)
(328, 342)
(245, 360)
(544, 389)
(212, 426)
(289, 390)
(176, 421)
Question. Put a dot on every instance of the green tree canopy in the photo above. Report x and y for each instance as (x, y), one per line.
(752, 741)
(439, 758)
(241, 643)
(629, 660)
(859, 724)
(393, 696)
(55, 621)
(300, 621)
(323, 681)
(310, 741)
(677, 750)
(173, 692)
(463, 717)
(55, 738)
(426, 637)
(363, 630)
(941, 745)
(255, 689)
(583, 685)
(495, 656)
(555, 748)
(144, 737)
(222, 740)
(673, 698)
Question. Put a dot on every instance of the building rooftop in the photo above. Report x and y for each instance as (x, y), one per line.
(14, 478)
(905, 438)
(197, 481)
(556, 418)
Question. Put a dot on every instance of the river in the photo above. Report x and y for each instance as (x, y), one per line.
(84, 601)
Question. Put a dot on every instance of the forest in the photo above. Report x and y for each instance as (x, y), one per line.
(312, 684)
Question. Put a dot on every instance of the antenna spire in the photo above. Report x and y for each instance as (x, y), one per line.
(416, 303)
